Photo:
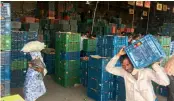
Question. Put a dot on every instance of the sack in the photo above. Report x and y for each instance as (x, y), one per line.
(33, 46)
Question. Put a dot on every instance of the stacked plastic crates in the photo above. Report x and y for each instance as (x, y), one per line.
(84, 72)
(67, 69)
(19, 60)
(165, 42)
(49, 60)
(5, 37)
(100, 82)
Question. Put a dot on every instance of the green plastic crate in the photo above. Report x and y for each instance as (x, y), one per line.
(164, 40)
(19, 64)
(70, 47)
(67, 37)
(69, 64)
(89, 45)
(167, 50)
(5, 42)
(68, 73)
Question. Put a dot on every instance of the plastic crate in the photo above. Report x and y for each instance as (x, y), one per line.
(100, 50)
(101, 75)
(18, 55)
(84, 82)
(98, 63)
(5, 42)
(89, 45)
(67, 37)
(18, 78)
(166, 50)
(164, 40)
(5, 27)
(5, 57)
(68, 73)
(5, 10)
(70, 47)
(105, 86)
(49, 60)
(16, 24)
(5, 72)
(5, 88)
(70, 55)
(145, 51)
(19, 64)
(111, 52)
(68, 64)
(117, 41)
(100, 40)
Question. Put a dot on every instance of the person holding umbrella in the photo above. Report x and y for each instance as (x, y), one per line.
(34, 86)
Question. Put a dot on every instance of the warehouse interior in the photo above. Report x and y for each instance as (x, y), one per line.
(80, 38)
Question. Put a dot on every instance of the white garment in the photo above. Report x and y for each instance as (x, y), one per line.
(141, 89)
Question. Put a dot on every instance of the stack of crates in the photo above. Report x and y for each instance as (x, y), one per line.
(100, 82)
(67, 69)
(109, 45)
(165, 42)
(49, 60)
(5, 37)
(84, 72)
(19, 60)
(89, 47)
(15, 25)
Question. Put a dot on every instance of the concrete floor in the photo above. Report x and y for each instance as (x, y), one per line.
(56, 92)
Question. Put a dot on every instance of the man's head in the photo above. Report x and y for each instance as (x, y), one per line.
(126, 63)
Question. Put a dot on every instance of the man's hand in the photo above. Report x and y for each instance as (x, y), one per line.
(29, 64)
(39, 69)
(121, 52)
(169, 66)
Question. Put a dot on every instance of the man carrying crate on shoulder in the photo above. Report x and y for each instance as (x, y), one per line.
(137, 81)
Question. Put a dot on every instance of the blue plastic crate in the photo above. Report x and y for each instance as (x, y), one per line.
(18, 55)
(5, 57)
(98, 95)
(99, 63)
(17, 45)
(5, 72)
(105, 86)
(84, 82)
(98, 74)
(5, 27)
(100, 50)
(163, 91)
(5, 10)
(145, 51)
(5, 88)
(18, 78)
(24, 36)
(70, 55)
(100, 40)
(49, 60)
(19, 36)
